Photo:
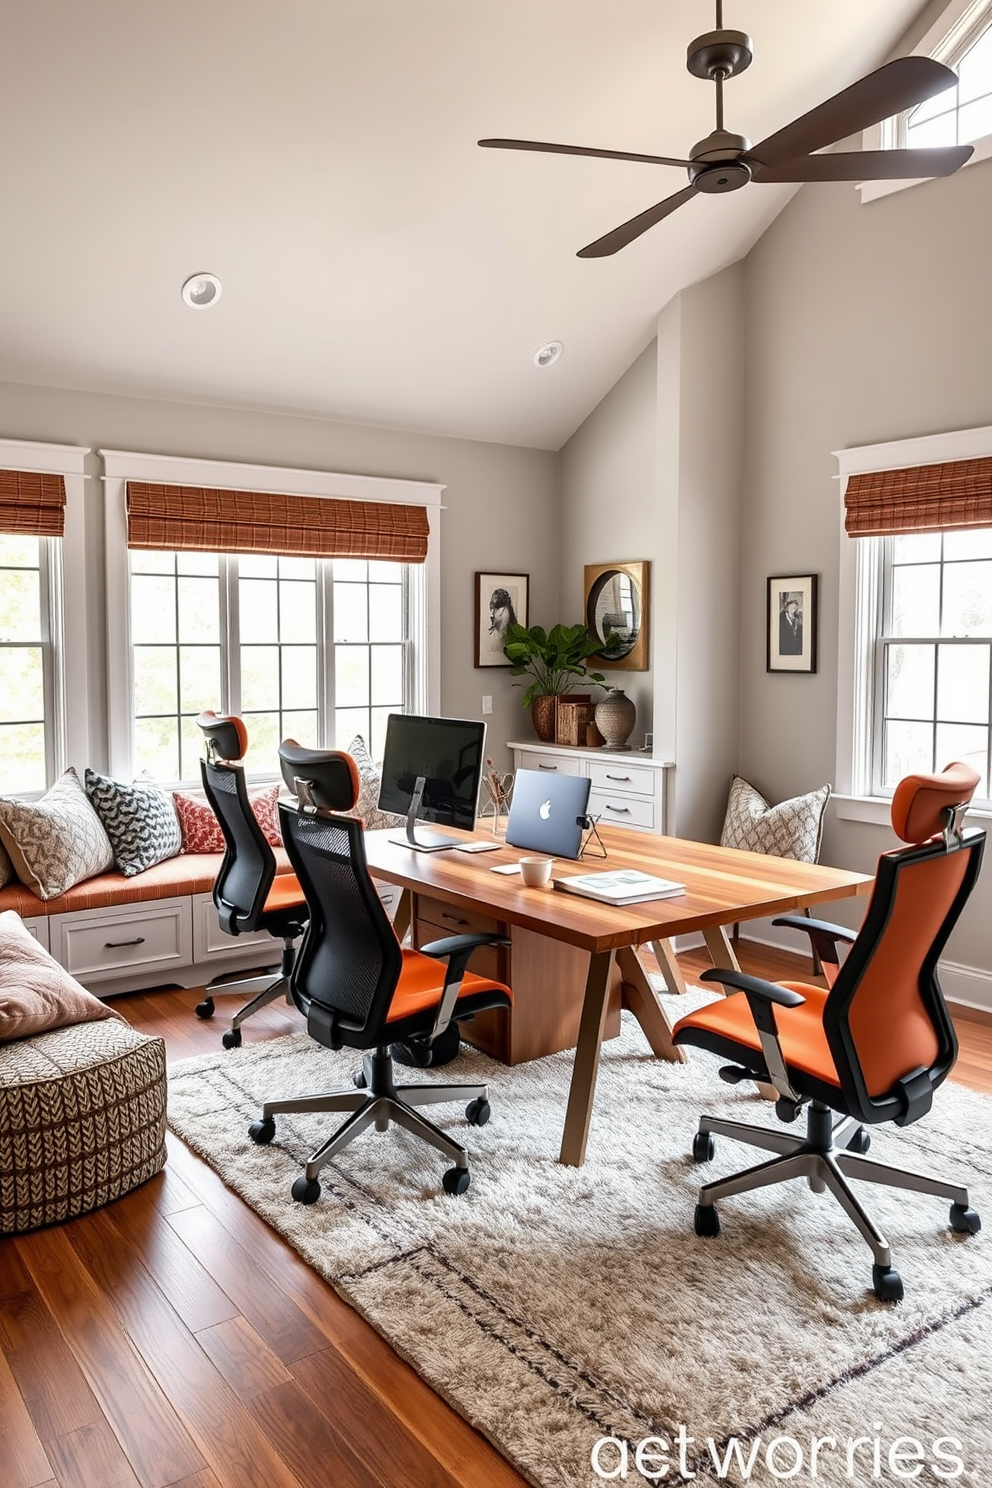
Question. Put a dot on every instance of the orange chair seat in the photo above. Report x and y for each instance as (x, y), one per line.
(285, 893)
(420, 984)
(804, 1043)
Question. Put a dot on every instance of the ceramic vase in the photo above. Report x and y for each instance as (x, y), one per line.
(615, 716)
(544, 715)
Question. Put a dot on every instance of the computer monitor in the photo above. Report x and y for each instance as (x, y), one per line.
(431, 771)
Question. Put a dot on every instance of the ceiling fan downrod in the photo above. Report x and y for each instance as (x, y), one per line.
(715, 57)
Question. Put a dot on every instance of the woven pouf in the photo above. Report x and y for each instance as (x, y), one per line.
(82, 1120)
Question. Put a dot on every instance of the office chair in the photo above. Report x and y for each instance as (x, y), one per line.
(874, 1046)
(355, 984)
(247, 893)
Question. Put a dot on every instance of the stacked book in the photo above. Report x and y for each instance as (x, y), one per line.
(622, 886)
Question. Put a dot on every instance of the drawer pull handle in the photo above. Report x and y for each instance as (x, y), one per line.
(454, 919)
(114, 945)
(616, 777)
(547, 767)
(620, 810)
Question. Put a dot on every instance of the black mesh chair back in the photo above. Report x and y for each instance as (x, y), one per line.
(248, 868)
(350, 960)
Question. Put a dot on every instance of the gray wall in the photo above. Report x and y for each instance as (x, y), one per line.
(864, 324)
(654, 473)
(501, 506)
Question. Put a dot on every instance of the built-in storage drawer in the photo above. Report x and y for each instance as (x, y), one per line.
(623, 811)
(390, 896)
(98, 944)
(210, 943)
(450, 919)
(38, 927)
(560, 765)
(617, 777)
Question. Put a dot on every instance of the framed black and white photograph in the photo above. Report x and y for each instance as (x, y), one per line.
(790, 644)
(500, 601)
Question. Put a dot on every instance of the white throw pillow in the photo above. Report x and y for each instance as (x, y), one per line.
(792, 829)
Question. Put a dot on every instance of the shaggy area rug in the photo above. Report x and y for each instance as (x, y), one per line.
(559, 1308)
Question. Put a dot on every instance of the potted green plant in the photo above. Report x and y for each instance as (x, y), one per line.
(553, 659)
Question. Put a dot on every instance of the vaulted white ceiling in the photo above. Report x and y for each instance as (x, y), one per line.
(320, 157)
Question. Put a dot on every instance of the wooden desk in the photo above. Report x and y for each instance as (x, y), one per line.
(723, 885)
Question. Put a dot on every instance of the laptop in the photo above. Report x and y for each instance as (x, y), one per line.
(547, 812)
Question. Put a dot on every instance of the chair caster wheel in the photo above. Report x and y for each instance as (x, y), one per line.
(262, 1131)
(306, 1190)
(703, 1148)
(232, 1038)
(456, 1180)
(860, 1142)
(707, 1221)
(965, 1221)
(205, 1009)
(887, 1283)
(358, 1080)
(478, 1112)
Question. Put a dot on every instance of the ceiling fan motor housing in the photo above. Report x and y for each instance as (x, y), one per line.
(721, 54)
(717, 165)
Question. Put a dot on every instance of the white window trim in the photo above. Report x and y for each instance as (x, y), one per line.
(120, 466)
(66, 597)
(859, 596)
(941, 41)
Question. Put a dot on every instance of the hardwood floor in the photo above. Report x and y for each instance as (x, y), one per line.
(172, 1340)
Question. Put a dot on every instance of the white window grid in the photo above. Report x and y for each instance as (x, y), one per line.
(45, 565)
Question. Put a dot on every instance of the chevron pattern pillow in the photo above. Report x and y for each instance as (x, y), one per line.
(139, 819)
(792, 829)
(56, 841)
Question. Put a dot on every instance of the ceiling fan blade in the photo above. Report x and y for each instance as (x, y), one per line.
(868, 165)
(613, 241)
(889, 90)
(512, 144)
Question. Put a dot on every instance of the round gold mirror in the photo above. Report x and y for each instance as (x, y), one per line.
(615, 613)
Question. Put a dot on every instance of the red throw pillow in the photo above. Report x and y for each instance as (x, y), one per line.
(201, 830)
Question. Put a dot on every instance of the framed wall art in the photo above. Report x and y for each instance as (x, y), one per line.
(500, 600)
(790, 623)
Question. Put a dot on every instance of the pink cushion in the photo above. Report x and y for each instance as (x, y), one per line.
(35, 992)
(201, 831)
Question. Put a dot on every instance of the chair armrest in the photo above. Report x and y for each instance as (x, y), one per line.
(762, 996)
(456, 949)
(823, 935)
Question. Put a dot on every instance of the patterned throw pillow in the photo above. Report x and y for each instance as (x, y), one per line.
(370, 776)
(139, 819)
(6, 866)
(57, 841)
(792, 829)
(201, 831)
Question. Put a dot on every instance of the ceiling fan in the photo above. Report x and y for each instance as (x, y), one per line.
(726, 162)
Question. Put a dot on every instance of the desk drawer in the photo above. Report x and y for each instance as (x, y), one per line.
(560, 765)
(96, 944)
(438, 918)
(619, 778)
(623, 811)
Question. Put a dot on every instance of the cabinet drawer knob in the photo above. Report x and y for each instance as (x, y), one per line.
(547, 767)
(616, 777)
(114, 945)
(620, 810)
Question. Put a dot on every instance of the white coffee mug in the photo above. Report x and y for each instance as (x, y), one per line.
(536, 872)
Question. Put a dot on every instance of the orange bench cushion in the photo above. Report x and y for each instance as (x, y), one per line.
(189, 873)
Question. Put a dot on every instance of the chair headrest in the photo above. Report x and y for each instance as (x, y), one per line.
(224, 735)
(331, 776)
(921, 803)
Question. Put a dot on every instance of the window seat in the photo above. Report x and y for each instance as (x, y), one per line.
(117, 934)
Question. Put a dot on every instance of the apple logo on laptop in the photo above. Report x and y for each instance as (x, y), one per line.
(545, 810)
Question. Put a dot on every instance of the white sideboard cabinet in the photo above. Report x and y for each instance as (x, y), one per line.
(627, 788)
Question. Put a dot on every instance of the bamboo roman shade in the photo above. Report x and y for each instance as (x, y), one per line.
(924, 498)
(32, 502)
(198, 519)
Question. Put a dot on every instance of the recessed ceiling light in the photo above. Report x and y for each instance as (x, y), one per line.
(548, 354)
(202, 290)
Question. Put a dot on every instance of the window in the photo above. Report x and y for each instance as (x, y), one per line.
(933, 673)
(316, 648)
(914, 680)
(26, 662)
(302, 648)
(964, 113)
